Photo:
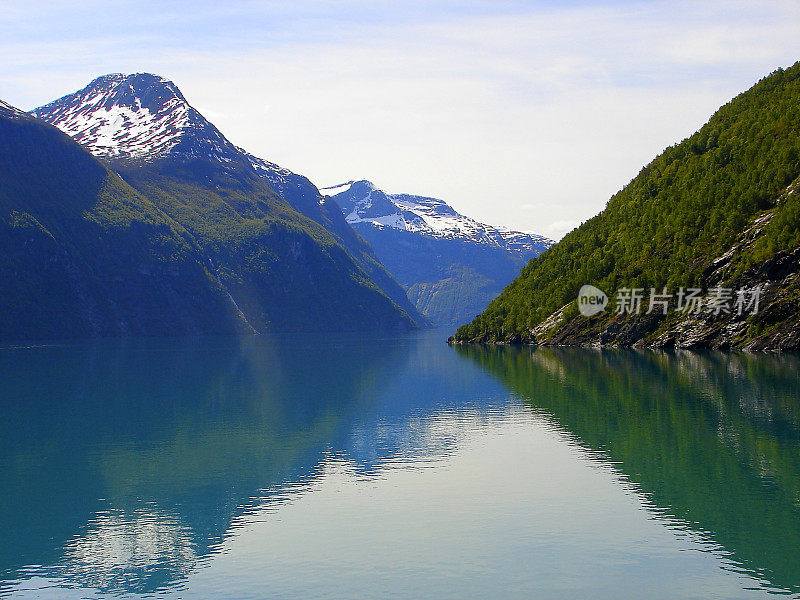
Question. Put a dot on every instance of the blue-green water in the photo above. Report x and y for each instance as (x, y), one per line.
(395, 468)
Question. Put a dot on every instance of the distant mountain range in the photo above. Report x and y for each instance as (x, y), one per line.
(718, 213)
(450, 264)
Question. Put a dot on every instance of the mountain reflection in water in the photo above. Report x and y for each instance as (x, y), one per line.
(127, 466)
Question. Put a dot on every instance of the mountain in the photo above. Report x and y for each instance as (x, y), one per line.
(451, 265)
(84, 254)
(283, 270)
(306, 199)
(141, 119)
(718, 212)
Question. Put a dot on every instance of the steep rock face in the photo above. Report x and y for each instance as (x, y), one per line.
(83, 254)
(450, 265)
(282, 269)
(717, 213)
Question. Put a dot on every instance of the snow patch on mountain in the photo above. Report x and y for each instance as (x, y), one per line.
(121, 130)
(133, 117)
(275, 174)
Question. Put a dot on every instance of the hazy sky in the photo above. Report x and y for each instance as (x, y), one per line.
(525, 114)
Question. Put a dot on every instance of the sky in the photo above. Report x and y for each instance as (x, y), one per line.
(523, 114)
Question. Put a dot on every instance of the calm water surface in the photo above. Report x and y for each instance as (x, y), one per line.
(396, 468)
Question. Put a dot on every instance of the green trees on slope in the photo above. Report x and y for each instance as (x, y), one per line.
(679, 213)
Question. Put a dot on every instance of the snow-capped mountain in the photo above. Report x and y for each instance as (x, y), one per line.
(451, 265)
(85, 255)
(140, 116)
(143, 120)
(364, 204)
(145, 117)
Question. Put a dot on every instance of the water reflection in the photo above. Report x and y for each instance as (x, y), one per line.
(135, 457)
(126, 467)
(124, 463)
(713, 439)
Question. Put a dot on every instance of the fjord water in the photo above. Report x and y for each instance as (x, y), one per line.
(299, 467)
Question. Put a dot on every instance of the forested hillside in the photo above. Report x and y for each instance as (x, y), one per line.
(681, 217)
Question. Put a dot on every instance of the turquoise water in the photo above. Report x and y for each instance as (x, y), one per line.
(395, 468)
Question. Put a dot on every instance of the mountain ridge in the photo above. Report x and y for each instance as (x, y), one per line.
(424, 214)
(156, 126)
(307, 199)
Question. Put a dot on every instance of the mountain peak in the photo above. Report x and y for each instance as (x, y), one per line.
(366, 205)
(137, 116)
